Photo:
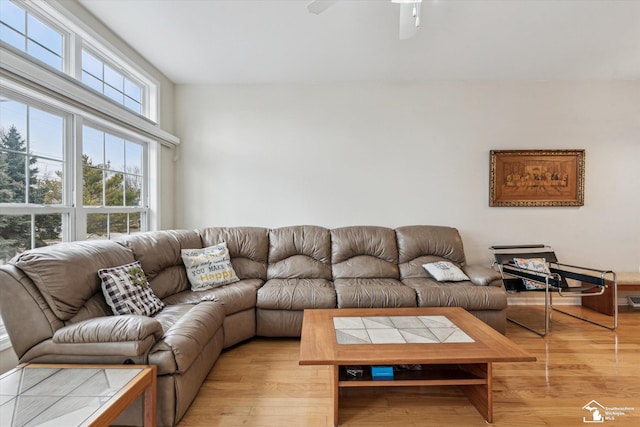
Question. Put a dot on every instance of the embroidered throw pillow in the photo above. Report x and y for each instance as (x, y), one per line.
(445, 271)
(534, 265)
(127, 291)
(209, 267)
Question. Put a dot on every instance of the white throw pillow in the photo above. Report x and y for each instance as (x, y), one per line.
(209, 267)
(127, 291)
(445, 271)
(533, 265)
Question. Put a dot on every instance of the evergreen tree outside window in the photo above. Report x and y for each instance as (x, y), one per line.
(27, 179)
(112, 170)
(36, 206)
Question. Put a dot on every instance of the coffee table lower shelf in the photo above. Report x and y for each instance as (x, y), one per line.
(474, 380)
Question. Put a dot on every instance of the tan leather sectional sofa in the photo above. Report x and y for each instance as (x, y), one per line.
(54, 311)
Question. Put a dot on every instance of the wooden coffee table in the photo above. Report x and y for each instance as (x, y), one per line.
(451, 346)
(75, 395)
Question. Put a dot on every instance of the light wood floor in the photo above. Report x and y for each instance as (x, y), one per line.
(259, 383)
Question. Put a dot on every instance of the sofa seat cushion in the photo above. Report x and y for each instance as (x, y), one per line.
(296, 294)
(187, 330)
(432, 293)
(235, 297)
(373, 293)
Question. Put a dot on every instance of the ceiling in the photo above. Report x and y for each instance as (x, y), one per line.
(274, 41)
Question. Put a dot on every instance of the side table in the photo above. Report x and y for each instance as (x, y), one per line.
(75, 395)
(605, 303)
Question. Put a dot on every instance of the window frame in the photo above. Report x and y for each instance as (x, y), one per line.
(66, 207)
(145, 90)
(82, 211)
(53, 25)
(74, 40)
(73, 210)
(67, 134)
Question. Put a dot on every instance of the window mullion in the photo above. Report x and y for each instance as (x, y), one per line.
(79, 216)
(124, 177)
(70, 54)
(33, 230)
(26, 31)
(27, 138)
(104, 169)
(8, 209)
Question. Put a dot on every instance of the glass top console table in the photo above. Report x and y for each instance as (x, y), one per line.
(75, 395)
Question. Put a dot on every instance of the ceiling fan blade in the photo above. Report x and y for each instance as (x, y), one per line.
(319, 6)
(409, 19)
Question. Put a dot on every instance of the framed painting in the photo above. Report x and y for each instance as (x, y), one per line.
(537, 178)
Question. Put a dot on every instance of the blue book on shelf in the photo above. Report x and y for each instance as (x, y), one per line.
(382, 373)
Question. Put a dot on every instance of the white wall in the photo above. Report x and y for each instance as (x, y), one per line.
(391, 155)
(167, 184)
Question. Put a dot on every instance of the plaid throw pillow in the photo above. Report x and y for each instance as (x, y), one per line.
(127, 291)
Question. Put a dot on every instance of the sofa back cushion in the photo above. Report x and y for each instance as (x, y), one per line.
(423, 244)
(67, 273)
(364, 252)
(248, 248)
(302, 252)
(160, 256)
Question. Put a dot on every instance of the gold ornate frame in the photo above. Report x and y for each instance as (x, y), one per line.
(537, 178)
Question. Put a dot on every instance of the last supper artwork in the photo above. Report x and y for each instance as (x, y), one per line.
(537, 178)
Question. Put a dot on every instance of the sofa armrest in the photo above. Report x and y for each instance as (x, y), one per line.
(111, 329)
(482, 276)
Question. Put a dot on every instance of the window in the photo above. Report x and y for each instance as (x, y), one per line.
(110, 82)
(74, 164)
(37, 205)
(113, 178)
(32, 146)
(27, 33)
(24, 27)
(32, 175)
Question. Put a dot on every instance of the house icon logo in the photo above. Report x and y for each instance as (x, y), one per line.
(596, 412)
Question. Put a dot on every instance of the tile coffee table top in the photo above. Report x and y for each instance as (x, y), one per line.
(398, 330)
(52, 396)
